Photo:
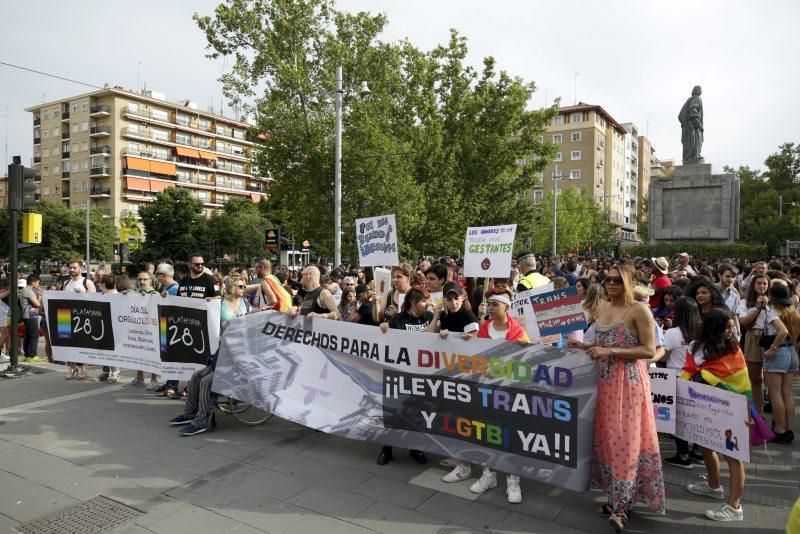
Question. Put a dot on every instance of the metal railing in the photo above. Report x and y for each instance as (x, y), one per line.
(100, 191)
(65, 134)
(65, 174)
(100, 108)
(97, 171)
(100, 130)
(100, 150)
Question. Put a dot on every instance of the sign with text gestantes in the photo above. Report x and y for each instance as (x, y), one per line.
(526, 410)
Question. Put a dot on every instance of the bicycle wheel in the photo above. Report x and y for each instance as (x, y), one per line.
(223, 404)
(247, 414)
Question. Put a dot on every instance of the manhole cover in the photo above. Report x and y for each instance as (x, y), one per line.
(95, 515)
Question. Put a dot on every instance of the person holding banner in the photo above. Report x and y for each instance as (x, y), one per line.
(714, 358)
(626, 460)
(318, 301)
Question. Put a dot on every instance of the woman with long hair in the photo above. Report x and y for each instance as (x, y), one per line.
(664, 314)
(760, 319)
(626, 461)
(687, 325)
(706, 294)
(714, 357)
(782, 365)
(595, 295)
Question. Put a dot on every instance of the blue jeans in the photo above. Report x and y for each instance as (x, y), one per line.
(30, 341)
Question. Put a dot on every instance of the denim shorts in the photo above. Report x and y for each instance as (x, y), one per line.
(784, 360)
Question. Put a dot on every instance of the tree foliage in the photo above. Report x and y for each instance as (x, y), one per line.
(581, 224)
(437, 143)
(174, 226)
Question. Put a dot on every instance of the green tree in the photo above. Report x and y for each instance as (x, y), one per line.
(438, 143)
(582, 224)
(239, 231)
(643, 227)
(174, 227)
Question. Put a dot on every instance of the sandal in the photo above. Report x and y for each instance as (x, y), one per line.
(605, 510)
(618, 520)
(71, 373)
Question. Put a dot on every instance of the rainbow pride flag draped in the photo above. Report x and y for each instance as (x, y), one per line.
(728, 372)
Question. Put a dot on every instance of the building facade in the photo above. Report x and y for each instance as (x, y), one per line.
(115, 149)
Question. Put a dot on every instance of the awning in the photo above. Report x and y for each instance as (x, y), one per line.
(187, 152)
(157, 187)
(158, 167)
(137, 164)
(138, 184)
(208, 156)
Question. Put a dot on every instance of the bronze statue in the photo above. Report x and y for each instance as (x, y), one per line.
(691, 118)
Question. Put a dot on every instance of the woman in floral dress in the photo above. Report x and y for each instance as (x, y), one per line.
(626, 463)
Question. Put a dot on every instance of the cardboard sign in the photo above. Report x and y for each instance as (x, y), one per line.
(559, 311)
(487, 251)
(662, 389)
(522, 311)
(377, 241)
(383, 280)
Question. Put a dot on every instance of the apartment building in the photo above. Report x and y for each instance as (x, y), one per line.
(649, 167)
(115, 149)
(591, 157)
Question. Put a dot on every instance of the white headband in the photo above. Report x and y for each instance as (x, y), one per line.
(500, 298)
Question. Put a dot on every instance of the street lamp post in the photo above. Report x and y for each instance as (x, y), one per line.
(556, 176)
(337, 172)
(88, 230)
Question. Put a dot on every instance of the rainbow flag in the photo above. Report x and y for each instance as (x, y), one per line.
(728, 372)
(64, 322)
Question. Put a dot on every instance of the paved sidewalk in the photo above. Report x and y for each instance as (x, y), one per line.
(62, 442)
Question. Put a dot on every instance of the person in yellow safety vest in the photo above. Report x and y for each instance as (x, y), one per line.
(527, 265)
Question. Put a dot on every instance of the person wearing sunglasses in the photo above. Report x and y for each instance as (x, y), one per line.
(198, 284)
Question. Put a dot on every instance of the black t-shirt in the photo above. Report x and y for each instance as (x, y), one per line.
(198, 288)
(365, 312)
(455, 322)
(405, 321)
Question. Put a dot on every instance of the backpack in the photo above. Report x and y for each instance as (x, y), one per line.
(85, 284)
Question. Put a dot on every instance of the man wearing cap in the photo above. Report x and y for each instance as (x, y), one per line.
(660, 280)
(531, 278)
(683, 264)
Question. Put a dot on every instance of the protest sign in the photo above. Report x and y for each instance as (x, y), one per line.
(522, 310)
(713, 418)
(170, 336)
(526, 410)
(377, 241)
(662, 389)
(559, 311)
(487, 251)
(383, 280)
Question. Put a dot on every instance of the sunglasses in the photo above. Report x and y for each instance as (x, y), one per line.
(614, 280)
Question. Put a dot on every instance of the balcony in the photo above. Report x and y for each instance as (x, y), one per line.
(64, 115)
(65, 134)
(100, 171)
(37, 159)
(37, 140)
(100, 110)
(37, 121)
(65, 193)
(65, 155)
(140, 154)
(104, 150)
(65, 175)
(99, 131)
(37, 178)
(100, 192)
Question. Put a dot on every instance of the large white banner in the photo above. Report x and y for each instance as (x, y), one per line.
(662, 389)
(377, 241)
(170, 336)
(487, 251)
(527, 410)
(713, 418)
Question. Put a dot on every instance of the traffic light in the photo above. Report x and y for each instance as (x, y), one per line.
(32, 228)
(21, 189)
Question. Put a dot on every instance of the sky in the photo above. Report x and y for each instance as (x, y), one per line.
(637, 59)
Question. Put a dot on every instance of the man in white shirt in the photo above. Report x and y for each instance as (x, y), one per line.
(683, 264)
(77, 282)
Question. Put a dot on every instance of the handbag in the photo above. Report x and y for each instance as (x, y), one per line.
(765, 342)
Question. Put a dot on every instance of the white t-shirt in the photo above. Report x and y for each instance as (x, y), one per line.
(77, 285)
(495, 333)
(699, 357)
(676, 346)
(764, 319)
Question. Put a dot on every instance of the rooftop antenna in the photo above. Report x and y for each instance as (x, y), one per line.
(138, 69)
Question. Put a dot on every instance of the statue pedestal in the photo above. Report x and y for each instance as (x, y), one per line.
(694, 206)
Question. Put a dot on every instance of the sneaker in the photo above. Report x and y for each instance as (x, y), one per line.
(179, 420)
(702, 488)
(677, 461)
(135, 383)
(513, 491)
(697, 458)
(34, 359)
(102, 377)
(5, 358)
(191, 430)
(152, 385)
(487, 481)
(726, 512)
(459, 473)
(448, 463)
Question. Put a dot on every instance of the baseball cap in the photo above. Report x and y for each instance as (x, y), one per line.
(683, 255)
(21, 283)
(451, 287)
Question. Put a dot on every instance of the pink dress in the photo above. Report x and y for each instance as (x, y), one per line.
(626, 460)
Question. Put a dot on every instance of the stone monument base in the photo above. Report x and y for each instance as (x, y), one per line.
(695, 205)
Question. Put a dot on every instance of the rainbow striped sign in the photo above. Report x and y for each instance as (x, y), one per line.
(162, 329)
(64, 322)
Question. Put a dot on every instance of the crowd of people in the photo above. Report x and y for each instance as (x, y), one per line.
(731, 324)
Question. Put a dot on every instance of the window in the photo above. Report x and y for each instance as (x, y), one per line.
(202, 195)
(538, 195)
(74, 108)
(75, 127)
(84, 105)
(558, 138)
(75, 187)
(85, 165)
(133, 128)
(159, 114)
(84, 185)
(46, 190)
(84, 146)
(55, 113)
(558, 156)
(56, 189)
(558, 120)
(576, 118)
(56, 131)
(575, 155)
(56, 169)
(157, 133)
(575, 174)
(161, 153)
(84, 126)
(133, 106)
(202, 142)
(181, 119)
(133, 146)
(205, 124)
(46, 115)
(576, 136)
(46, 134)
(237, 167)
(46, 171)
(182, 138)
